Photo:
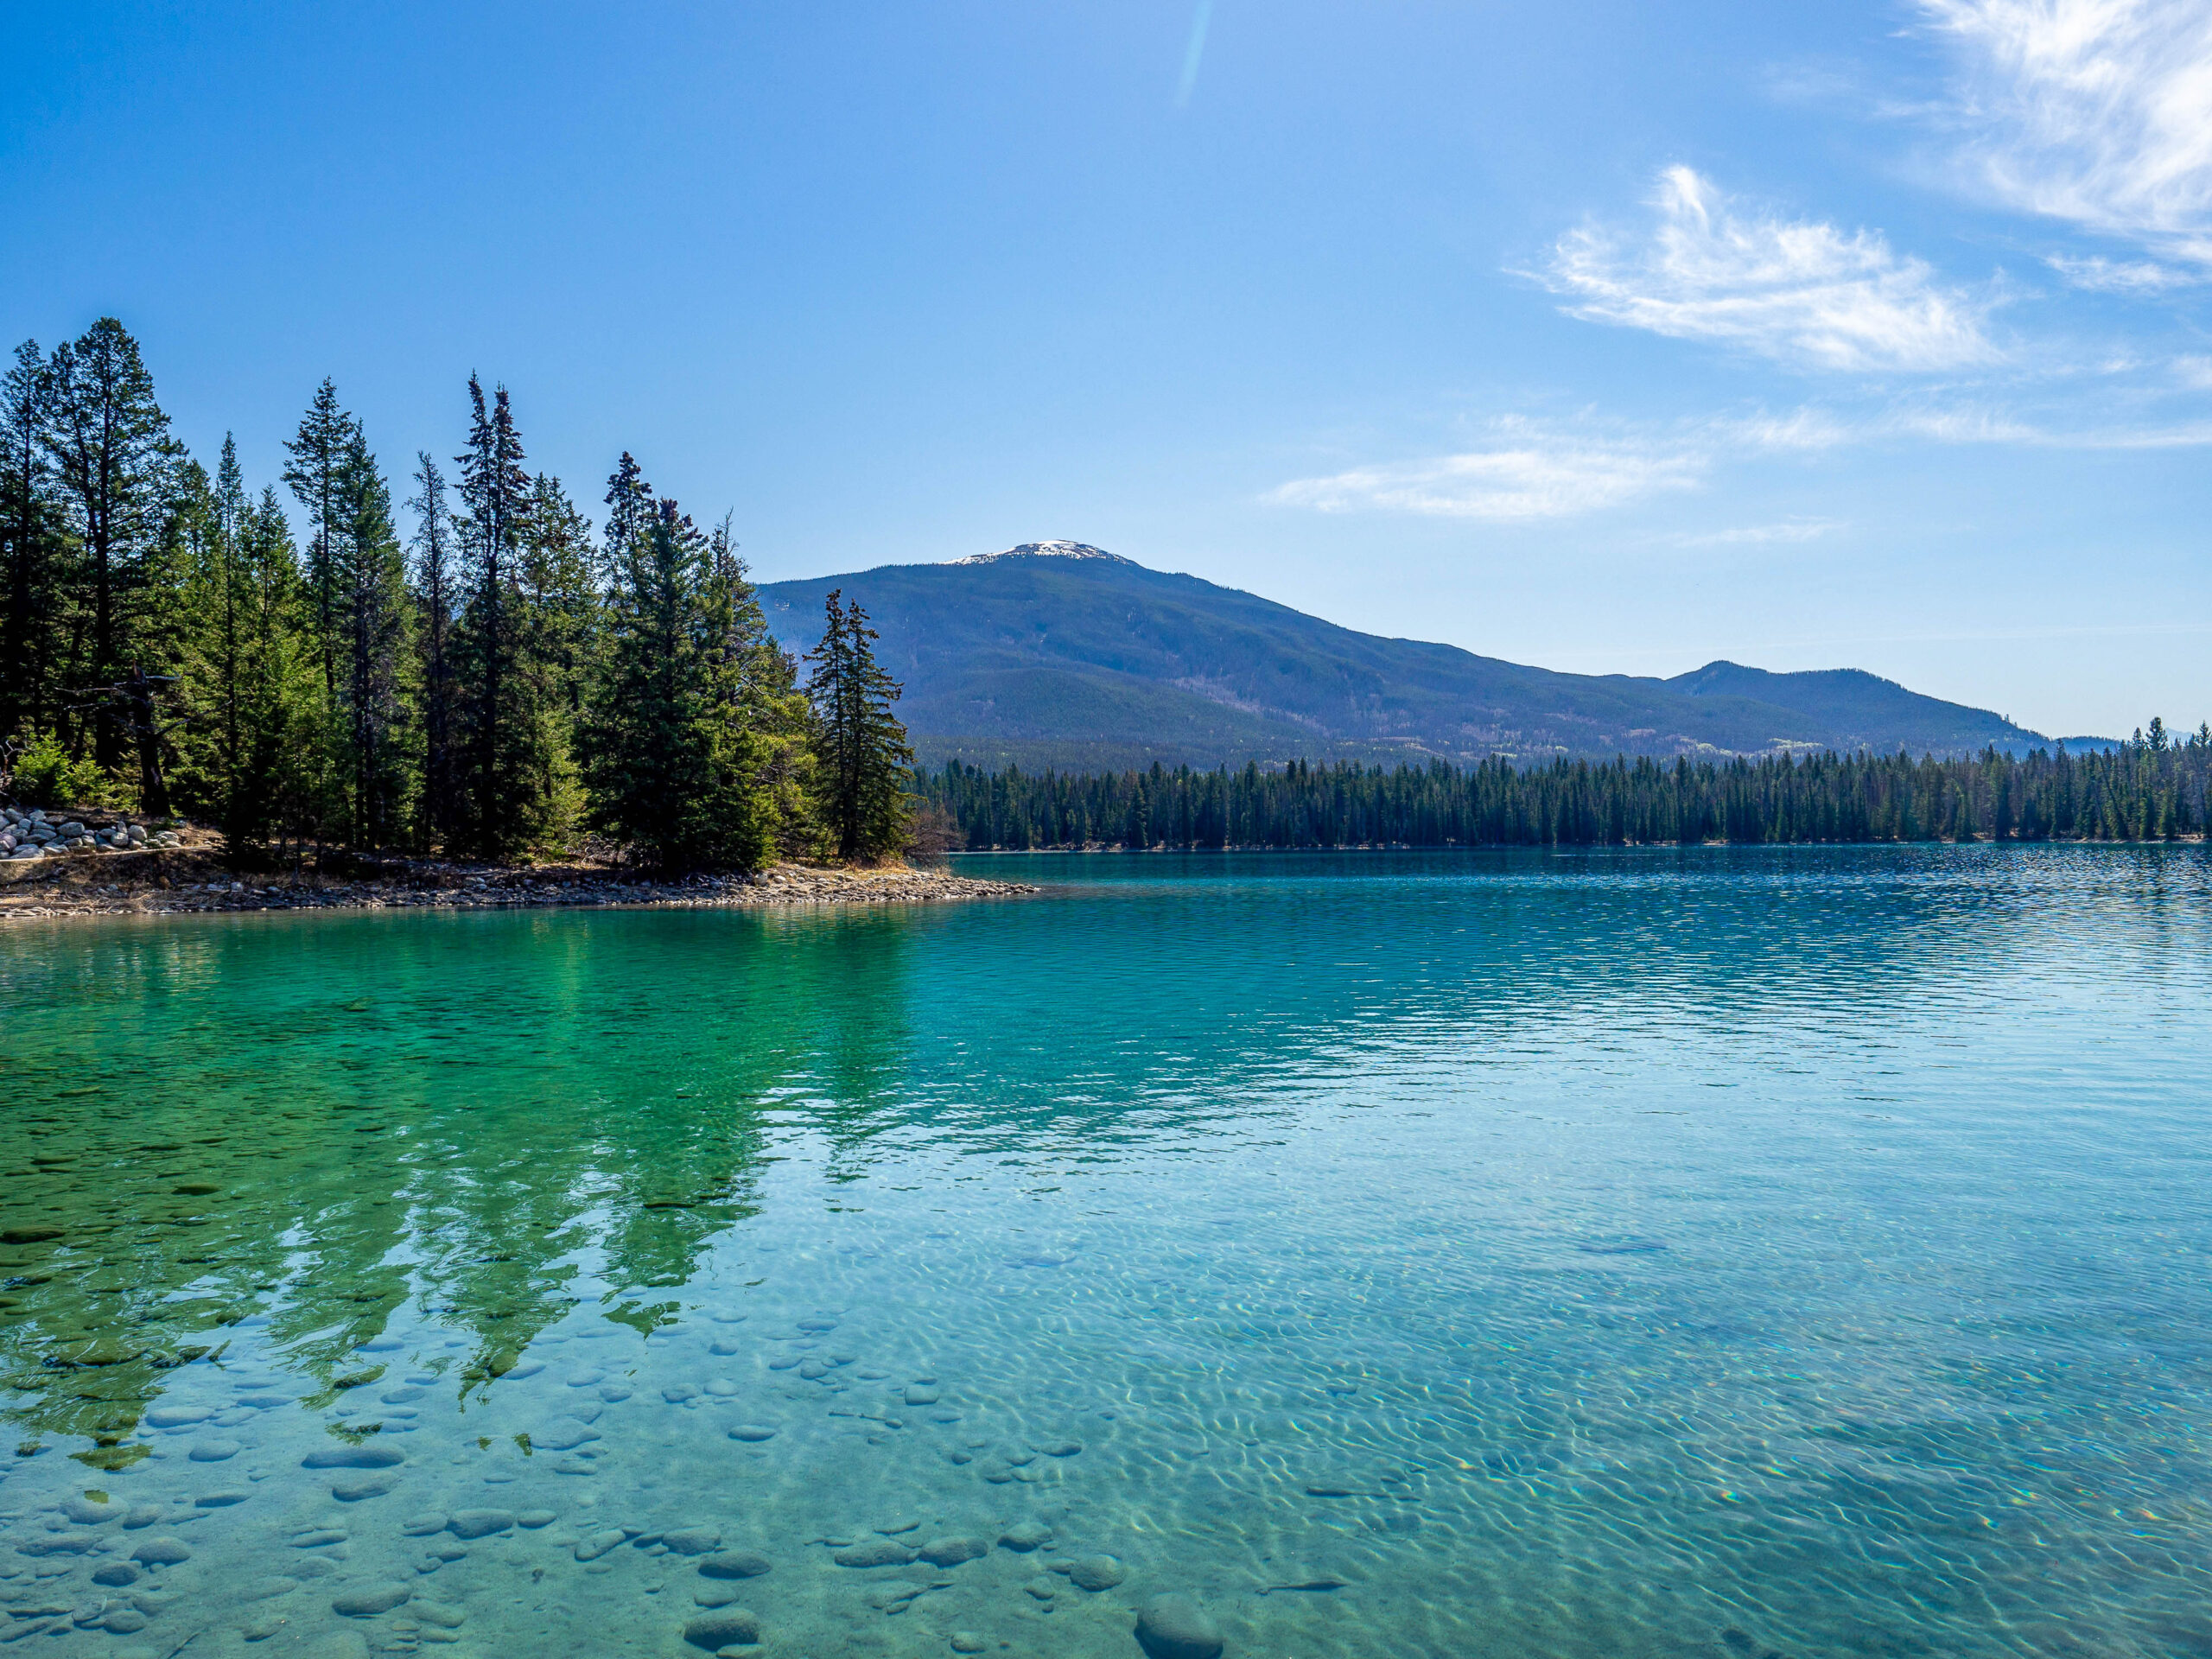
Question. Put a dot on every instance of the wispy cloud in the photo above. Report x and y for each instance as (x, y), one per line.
(1528, 470)
(1790, 531)
(1799, 291)
(2105, 275)
(2094, 112)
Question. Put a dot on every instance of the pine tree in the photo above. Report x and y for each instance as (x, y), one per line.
(505, 813)
(108, 444)
(318, 452)
(440, 808)
(29, 546)
(688, 750)
(865, 758)
(370, 578)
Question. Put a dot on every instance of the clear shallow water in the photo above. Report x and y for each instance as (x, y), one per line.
(1721, 1253)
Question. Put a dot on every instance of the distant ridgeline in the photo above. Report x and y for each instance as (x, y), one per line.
(2148, 789)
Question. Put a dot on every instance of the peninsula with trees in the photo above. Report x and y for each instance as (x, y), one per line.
(449, 669)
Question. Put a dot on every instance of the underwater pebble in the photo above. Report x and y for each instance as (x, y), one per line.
(141, 1515)
(214, 1451)
(724, 1627)
(422, 1526)
(692, 1541)
(533, 1519)
(1042, 1588)
(175, 1416)
(222, 1500)
(438, 1613)
(319, 1537)
(59, 1543)
(161, 1552)
(723, 1347)
(370, 1600)
(116, 1574)
(1175, 1627)
(754, 1431)
(882, 1553)
(951, 1552)
(563, 1434)
(88, 1513)
(591, 1548)
(735, 1564)
(969, 1642)
(359, 1487)
(1024, 1536)
(677, 1394)
(814, 1370)
(354, 1457)
(722, 1388)
(587, 1379)
(480, 1523)
(1056, 1448)
(1096, 1573)
(917, 1395)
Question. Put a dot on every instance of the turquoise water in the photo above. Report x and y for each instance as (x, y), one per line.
(1785, 1251)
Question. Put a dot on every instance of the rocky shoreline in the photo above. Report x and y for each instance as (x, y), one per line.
(187, 878)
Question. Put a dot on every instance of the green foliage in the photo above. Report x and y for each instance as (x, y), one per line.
(2151, 788)
(689, 748)
(47, 774)
(861, 746)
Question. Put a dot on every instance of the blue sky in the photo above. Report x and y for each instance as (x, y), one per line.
(1610, 337)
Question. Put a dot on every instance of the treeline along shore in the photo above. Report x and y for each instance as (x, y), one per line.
(479, 674)
(2150, 788)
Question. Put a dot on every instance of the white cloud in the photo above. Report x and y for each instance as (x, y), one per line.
(2094, 112)
(1528, 470)
(1791, 529)
(1798, 291)
(2121, 276)
(1528, 473)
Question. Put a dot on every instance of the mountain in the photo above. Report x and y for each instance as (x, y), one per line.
(1057, 653)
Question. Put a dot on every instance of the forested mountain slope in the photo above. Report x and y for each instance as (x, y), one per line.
(1057, 654)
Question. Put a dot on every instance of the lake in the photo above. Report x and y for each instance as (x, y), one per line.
(1727, 1252)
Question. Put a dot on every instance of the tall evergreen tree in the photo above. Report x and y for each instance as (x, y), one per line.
(371, 576)
(108, 445)
(508, 808)
(865, 760)
(30, 546)
(442, 815)
(318, 450)
(691, 728)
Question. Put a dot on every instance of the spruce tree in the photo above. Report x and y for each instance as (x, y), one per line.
(318, 450)
(864, 756)
(370, 578)
(108, 444)
(687, 749)
(504, 813)
(29, 546)
(440, 814)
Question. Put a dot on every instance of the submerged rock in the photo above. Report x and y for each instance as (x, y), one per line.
(480, 1523)
(883, 1553)
(753, 1432)
(1096, 1573)
(1024, 1536)
(692, 1541)
(370, 1600)
(951, 1552)
(724, 1627)
(1175, 1627)
(736, 1564)
(371, 1456)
